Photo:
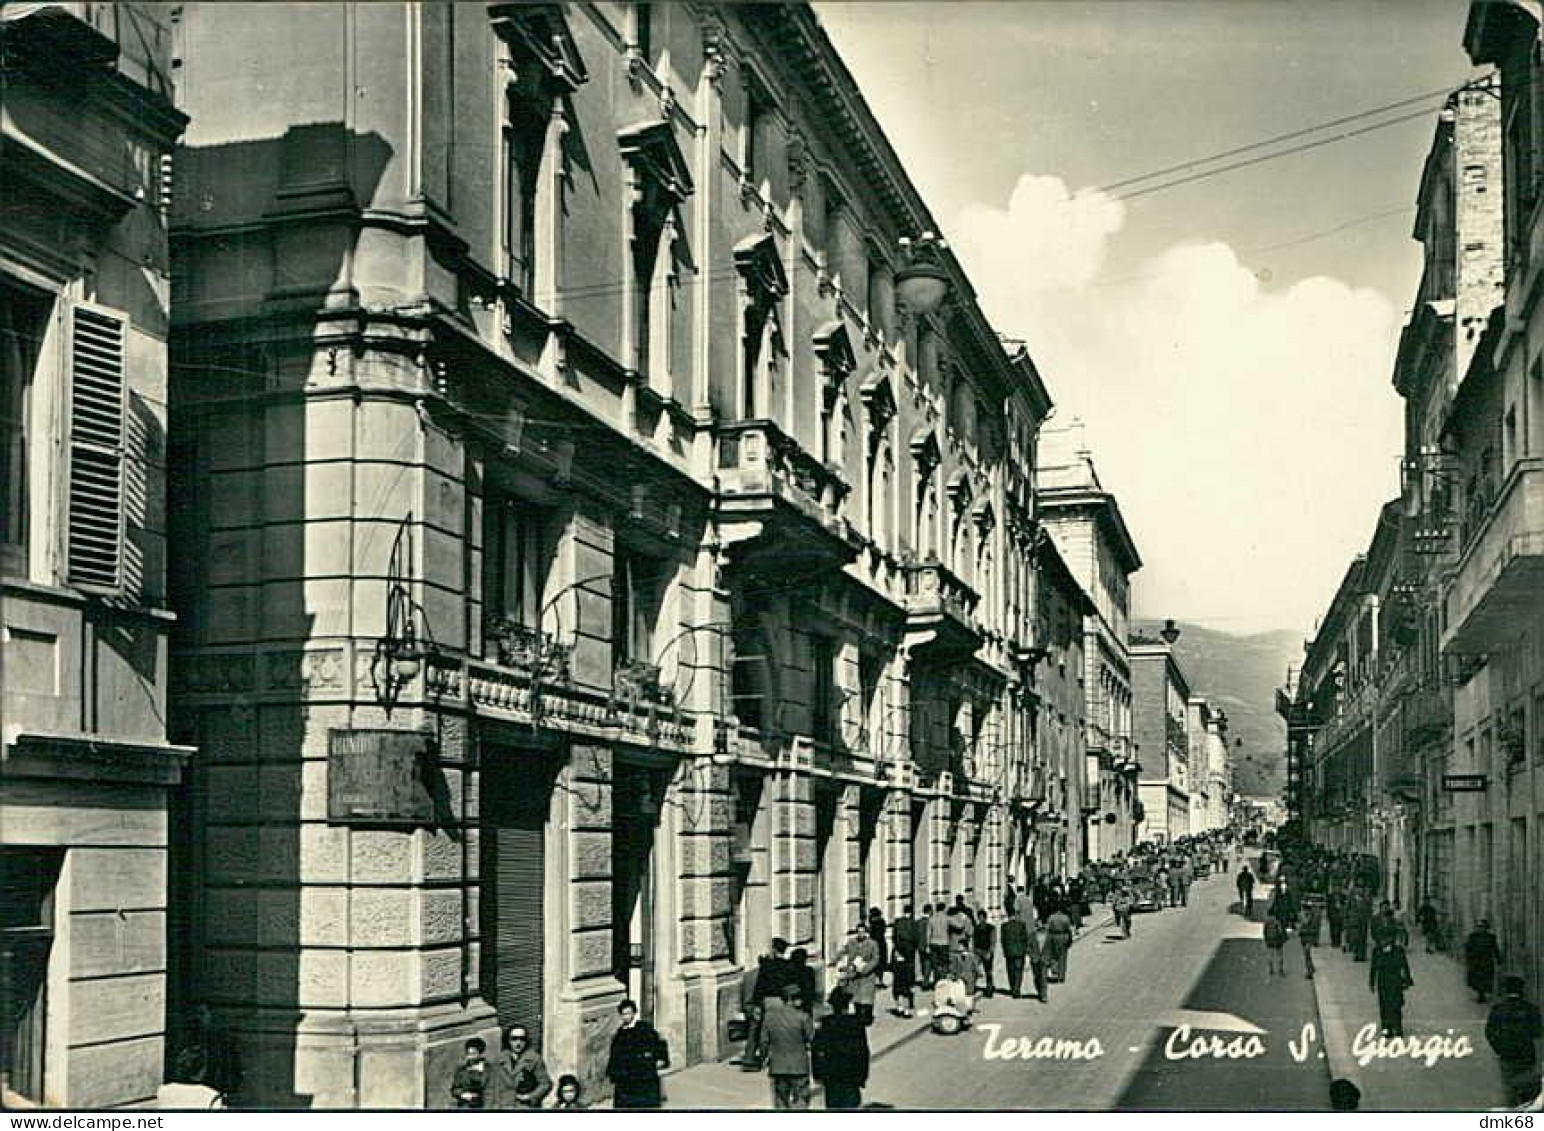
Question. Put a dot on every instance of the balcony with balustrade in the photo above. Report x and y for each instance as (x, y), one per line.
(940, 611)
(1496, 585)
(778, 504)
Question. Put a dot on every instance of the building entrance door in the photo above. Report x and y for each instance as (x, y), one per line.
(636, 795)
(826, 935)
(27, 878)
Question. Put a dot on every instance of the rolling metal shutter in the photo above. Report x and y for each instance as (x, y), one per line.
(516, 944)
(96, 449)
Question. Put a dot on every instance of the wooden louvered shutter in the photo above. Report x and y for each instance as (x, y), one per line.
(514, 944)
(97, 368)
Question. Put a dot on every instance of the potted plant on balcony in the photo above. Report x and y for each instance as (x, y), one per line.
(522, 647)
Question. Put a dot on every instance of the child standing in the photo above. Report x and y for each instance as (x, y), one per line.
(471, 1079)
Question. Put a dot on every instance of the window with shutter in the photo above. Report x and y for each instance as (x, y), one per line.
(97, 367)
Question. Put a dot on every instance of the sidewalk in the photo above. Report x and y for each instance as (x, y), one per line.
(1439, 1004)
(722, 1085)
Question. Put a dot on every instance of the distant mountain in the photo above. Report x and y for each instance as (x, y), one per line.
(1241, 674)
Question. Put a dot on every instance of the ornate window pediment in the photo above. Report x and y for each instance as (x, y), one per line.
(540, 32)
(925, 452)
(837, 361)
(879, 399)
(756, 258)
(960, 491)
(984, 517)
(661, 177)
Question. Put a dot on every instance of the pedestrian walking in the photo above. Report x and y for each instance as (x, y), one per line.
(1010, 899)
(1013, 936)
(520, 1078)
(1275, 934)
(1334, 914)
(1513, 1030)
(638, 1053)
(1388, 975)
(937, 943)
(1357, 924)
(983, 940)
(1183, 878)
(1058, 942)
(906, 938)
(773, 971)
(1308, 936)
(1245, 884)
(1386, 925)
(789, 1033)
(1482, 954)
(802, 975)
(857, 970)
(877, 932)
(839, 1054)
(1123, 905)
(1426, 920)
(1284, 904)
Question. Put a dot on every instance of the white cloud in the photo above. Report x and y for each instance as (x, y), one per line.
(1250, 433)
(1059, 238)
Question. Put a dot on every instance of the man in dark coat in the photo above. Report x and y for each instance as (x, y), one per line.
(1014, 936)
(1357, 915)
(1245, 885)
(906, 944)
(1334, 914)
(773, 972)
(1058, 942)
(1388, 976)
(789, 1033)
(637, 1055)
(802, 974)
(839, 1054)
(1513, 1030)
(983, 940)
(1386, 925)
(1482, 954)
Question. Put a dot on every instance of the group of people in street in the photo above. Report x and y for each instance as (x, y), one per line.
(1345, 885)
(517, 1078)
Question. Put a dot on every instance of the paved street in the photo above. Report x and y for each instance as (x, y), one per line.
(1201, 966)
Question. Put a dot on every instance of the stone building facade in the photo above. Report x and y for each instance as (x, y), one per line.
(1160, 696)
(1417, 714)
(593, 567)
(86, 768)
(1084, 520)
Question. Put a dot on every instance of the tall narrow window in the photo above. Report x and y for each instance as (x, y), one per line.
(823, 696)
(646, 238)
(527, 112)
(517, 556)
(763, 285)
(23, 322)
(635, 600)
(756, 148)
(97, 344)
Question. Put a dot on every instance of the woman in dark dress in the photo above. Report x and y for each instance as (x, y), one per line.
(1482, 954)
(637, 1055)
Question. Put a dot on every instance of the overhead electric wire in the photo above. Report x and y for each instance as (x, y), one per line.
(1292, 135)
(1274, 155)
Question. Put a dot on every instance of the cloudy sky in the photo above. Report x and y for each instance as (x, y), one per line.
(1227, 344)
